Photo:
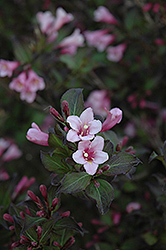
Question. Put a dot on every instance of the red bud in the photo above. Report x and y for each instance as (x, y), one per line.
(8, 217)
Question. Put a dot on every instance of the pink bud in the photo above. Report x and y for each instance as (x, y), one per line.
(69, 243)
(22, 215)
(102, 229)
(65, 214)
(55, 114)
(96, 183)
(156, 7)
(124, 140)
(114, 116)
(105, 168)
(12, 228)
(147, 7)
(39, 232)
(34, 243)
(43, 190)
(32, 196)
(56, 244)
(8, 217)
(65, 107)
(15, 244)
(119, 146)
(54, 203)
(116, 217)
(133, 206)
(41, 213)
(25, 239)
(96, 222)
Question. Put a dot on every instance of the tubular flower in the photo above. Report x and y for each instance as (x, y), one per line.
(90, 154)
(114, 116)
(7, 67)
(83, 127)
(102, 14)
(35, 135)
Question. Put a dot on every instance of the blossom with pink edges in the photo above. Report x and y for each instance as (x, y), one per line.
(133, 206)
(45, 20)
(99, 39)
(115, 53)
(35, 135)
(90, 154)
(34, 81)
(18, 83)
(114, 116)
(7, 67)
(62, 18)
(13, 152)
(4, 144)
(102, 14)
(83, 127)
(98, 101)
(70, 44)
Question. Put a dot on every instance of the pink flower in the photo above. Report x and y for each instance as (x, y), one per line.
(3, 175)
(3, 145)
(98, 100)
(83, 127)
(102, 14)
(99, 39)
(156, 7)
(35, 135)
(114, 116)
(45, 20)
(12, 153)
(27, 95)
(35, 82)
(90, 154)
(61, 18)
(115, 53)
(147, 7)
(133, 206)
(116, 216)
(7, 67)
(18, 83)
(69, 44)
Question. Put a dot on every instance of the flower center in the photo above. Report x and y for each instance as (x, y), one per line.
(88, 156)
(85, 130)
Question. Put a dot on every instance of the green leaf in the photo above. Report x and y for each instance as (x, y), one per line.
(108, 147)
(103, 195)
(22, 52)
(55, 142)
(31, 221)
(121, 163)
(75, 182)
(54, 163)
(47, 228)
(150, 238)
(110, 135)
(69, 223)
(74, 98)
(68, 60)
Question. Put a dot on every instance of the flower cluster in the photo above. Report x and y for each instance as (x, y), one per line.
(50, 25)
(101, 39)
(27, 83)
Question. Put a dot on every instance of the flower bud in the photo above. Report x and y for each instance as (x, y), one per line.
(41, 213)
(105, 168)
(39, 232)
(96, 183)
(65, 107)
(12, 228)
(54, 203)
(15, 244)
(55, 114)
(65, 214)
(56, 244)
(43, 191)
(68, 243)
(8, 217)
(22, 215)
(34, 243)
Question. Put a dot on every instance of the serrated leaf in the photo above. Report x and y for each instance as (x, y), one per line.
(121, 163)
(74, 98)
(54, 163)
(47, 228)
(31, 221)
(69, 223)
(108, 147)
(75, 182)
(103, 195)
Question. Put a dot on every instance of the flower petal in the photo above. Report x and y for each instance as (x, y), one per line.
(86, 137)
(97, 143)
(72, 136)
(83, 145)
(91, 168)
(100, 157)
(87, 116)
(75, 122)
(95, 127)
(78, 157)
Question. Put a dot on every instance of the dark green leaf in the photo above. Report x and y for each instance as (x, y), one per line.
(150, 238)
(74, 98)
(55, 142)
(108, 147)
(69, 223)
(111, 136)
(47, 228)
(75, 182)
(22, 52)
(31, 221)
(103, 195)
(121, 163)
(54, 163)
